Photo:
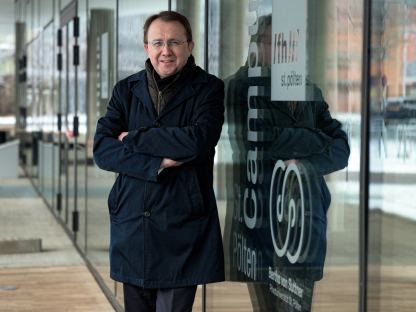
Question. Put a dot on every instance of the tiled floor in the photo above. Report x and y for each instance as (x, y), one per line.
(55, 288)
(55, 279)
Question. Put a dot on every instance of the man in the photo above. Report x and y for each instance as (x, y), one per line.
(159, 135)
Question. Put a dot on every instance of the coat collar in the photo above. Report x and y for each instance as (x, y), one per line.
(139, 87)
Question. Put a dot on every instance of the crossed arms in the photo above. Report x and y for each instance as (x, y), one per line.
(142, 152)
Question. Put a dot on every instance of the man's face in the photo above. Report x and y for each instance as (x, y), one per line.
(169, 59)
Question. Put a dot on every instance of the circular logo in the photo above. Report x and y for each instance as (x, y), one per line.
(289, 211)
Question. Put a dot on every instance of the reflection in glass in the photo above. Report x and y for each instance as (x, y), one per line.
(47, 98)
(101, 74)
(285, 150)
(45, 12)
(131, 54)
(195, 12)
(277, 217)
(33, 106)
(392, 223)
(70, 112)
(80, 143)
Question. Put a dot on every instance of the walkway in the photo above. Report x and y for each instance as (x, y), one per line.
(54, 279)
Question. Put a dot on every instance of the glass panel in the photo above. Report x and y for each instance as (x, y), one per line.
(33, 108)
(61, 140)
(339, 70)
(75, 107)
(28, 12)
(69, 127)
(18, 9)
(392, 254)
(64, 164)
(132, 15)
(37, 27)
(27, 145)
(7, 42)
(46, 97)
(81, 112)
(65, 3)
(56, 94)
(281, 155)
(9, 45)
(46, 12)
(195, 12)
(101, 74)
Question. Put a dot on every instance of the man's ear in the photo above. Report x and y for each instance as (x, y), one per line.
(191, 46)
(146, 48)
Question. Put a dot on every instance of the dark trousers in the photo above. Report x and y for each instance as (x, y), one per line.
(138, 299)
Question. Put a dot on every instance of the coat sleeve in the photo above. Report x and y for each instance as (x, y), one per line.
(337, 151)
(324, 147)
(185, 144)
(111, 154)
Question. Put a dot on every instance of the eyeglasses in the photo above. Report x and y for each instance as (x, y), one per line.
(172, 43)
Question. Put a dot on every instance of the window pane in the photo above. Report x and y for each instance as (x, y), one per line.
(195, 13)
(392, 255)
(132, 15)
(98, 79)
(281, 155)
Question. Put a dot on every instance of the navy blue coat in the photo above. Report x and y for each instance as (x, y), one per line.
(165, 230)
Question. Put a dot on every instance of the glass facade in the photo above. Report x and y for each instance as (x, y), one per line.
(287, 168)
(392, 155)
(270, 170)
(7, 69)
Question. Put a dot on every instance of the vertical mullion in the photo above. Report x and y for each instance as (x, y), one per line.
(364, 159)
(116, 35)
(75, 223)
(206, 16)
(204, 287)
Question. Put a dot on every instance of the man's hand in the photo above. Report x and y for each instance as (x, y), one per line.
(167, 162)
(122, 135)
(290, 161)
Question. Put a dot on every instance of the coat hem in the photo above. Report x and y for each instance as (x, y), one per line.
(165, 284)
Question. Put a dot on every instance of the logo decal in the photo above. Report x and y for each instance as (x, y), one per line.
(290, 213)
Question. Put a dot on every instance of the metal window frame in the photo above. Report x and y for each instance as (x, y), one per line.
(364, 158)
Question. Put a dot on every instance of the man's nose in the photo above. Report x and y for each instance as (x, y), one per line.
(166, 49)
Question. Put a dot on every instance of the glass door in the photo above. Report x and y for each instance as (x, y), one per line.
(292, 73)
(392, 157)
(71, 181)
(100, 78)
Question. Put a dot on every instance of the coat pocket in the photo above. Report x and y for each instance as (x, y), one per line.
(195, 193)
(113, 206)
